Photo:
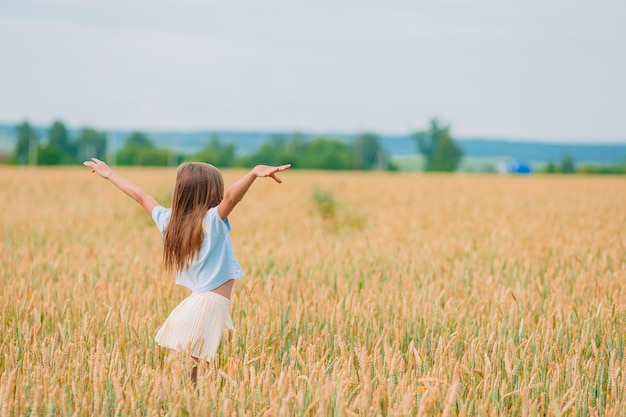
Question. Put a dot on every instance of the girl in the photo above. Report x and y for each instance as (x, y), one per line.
(197, 248)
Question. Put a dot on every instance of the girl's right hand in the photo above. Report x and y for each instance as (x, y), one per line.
(99, 167)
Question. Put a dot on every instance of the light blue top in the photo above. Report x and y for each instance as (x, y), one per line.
(215, 263)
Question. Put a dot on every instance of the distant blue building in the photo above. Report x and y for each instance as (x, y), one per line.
(515, 167)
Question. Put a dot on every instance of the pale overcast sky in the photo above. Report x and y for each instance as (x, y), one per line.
(529, 69)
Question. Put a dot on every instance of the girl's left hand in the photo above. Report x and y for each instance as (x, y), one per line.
(99, 167)
(269, 171)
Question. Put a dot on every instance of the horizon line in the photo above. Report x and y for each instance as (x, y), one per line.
(487, 138)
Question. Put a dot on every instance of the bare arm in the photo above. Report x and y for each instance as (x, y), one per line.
(129, 188)
(235, 192)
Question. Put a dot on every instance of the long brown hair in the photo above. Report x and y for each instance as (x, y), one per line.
(199, 186)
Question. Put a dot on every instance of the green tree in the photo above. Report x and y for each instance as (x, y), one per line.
(217, 153)
(138, 150)
(51, 154)
(27, 140)
(275, 151)
(91, 143)
(154, 157)
(140, 140)
(438, 147)
(568, 165)
(368, 152)
(318, 153)
(551, 168)
(365, 152)
(322, 153)
(614, 169)
(59, 136)
(59, 149)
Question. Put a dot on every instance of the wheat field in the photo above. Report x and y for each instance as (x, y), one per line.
(366, 294)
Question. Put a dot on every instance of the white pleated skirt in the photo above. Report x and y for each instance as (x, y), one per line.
(196, 325)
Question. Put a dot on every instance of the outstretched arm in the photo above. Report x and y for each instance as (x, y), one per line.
(129, 188)
(235, 192)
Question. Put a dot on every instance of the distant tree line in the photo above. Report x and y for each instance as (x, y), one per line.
(436, 143)
(365, 152)
(60, 148)
(568, 165)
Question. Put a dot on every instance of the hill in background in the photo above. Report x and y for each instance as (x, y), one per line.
(397, 146)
